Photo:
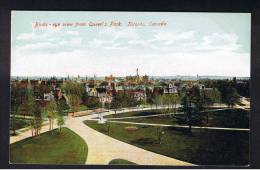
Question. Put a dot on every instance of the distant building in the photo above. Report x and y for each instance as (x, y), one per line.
(170, 89)
(48, 96)
(110, 78)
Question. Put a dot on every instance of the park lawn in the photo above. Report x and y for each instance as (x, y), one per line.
(121, 162)
(202, 147)
(164, 119)
(19, 123)
(60, 148)
(82, 108)
(135, 113)
(236, 118)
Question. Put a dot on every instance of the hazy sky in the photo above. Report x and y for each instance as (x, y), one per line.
(190, 44)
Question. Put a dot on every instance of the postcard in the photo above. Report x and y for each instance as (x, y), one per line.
(130, 88)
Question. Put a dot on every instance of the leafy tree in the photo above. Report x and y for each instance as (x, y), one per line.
(187, 107)
(51, 110)
(14, 111)
(28, 105)
(209, 98)
(92, 102)
(36, 122)
(62, 106)
(243, 88)
(15, 105)
(213, 96)
(123, 100)
(73, 88)
(74, 103)
(232, 97)
(60, 121)
(174, 99)
(74, 92)
(158, 100)
(116, 103)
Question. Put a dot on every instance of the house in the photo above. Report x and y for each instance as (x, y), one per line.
(139, 95)
(170, 89)
(110, 78)
(105, 98)
(48, 96)
(203, 88)
(90, 89)
(93, 92)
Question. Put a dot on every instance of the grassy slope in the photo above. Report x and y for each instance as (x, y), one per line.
(203, 147)
(60, 148)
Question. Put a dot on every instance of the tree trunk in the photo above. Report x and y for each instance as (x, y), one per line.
(52, 127)
(49, 124)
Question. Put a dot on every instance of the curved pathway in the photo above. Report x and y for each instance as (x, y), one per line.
(102, 148)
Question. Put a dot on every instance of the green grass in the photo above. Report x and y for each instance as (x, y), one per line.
(82, 108)
(57, 148)
(202, 147)
(236, 118)
(167, 119)
(19, 123)
(135, 113)
(121, 162)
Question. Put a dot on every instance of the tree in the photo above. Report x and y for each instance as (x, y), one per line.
(29, 107)
(73, 88)
(174, 99)
(209, 98)
(115, 103)
(36, 122)
(92, 102)
(232, 97)
(158, 100)
(123, 100)
(186, 106)
(74, 103)
(60, 121)
(28, 104)
(51, 110)
(14, 110)
(74, 92)
(62, 106)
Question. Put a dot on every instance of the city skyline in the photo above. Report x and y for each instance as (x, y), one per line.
(191, 44)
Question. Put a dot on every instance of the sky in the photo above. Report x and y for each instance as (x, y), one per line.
(188, 44)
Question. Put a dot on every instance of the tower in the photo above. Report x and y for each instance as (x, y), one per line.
(137, 74)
